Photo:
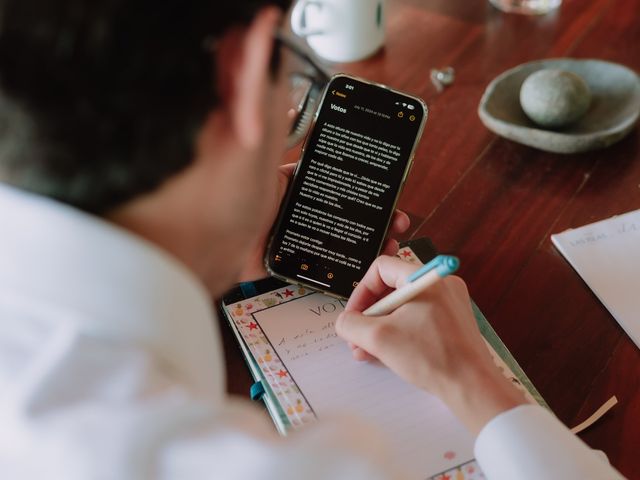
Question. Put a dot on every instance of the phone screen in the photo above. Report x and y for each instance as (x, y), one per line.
(339, 205)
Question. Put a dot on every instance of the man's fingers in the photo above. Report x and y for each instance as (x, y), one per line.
(400, 223)
(287, 169)
(384, 274)
(353, 327)
(365, 333)
(362, 355)
(391, 247)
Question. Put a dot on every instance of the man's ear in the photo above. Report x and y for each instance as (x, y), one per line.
(243, 59)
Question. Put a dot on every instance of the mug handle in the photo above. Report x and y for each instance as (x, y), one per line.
(299, 18)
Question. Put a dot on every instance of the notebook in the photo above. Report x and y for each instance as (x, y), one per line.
(606, 255)
(304, 372)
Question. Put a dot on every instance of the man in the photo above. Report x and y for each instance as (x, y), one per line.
(139, 149)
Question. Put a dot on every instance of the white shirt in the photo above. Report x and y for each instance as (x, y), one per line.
(111, 368)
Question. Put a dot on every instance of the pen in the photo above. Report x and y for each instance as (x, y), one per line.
(420, 280)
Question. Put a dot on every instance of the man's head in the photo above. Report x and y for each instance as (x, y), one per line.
(167, 117)
(102, 100)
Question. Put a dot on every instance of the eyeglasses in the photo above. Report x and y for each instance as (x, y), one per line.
(306, 84)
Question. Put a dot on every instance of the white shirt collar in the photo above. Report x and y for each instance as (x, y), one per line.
(112, 283)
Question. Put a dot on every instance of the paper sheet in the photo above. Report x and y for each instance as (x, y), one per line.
(426, 436)
(606, 254)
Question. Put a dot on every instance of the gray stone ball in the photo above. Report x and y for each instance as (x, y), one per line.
(554, 98)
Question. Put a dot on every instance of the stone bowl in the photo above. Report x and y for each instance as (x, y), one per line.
(614, 109)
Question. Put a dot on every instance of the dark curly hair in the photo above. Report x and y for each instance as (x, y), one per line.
(100, 100)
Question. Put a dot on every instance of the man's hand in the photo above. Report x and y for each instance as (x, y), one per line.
(432, 342)
(255, 266)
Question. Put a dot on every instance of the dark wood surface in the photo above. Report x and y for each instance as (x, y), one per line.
(495, 203)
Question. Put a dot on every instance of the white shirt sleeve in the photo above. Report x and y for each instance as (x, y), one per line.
(529, 443)
(83, 408)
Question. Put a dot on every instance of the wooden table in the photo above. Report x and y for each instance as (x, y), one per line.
(495, 203)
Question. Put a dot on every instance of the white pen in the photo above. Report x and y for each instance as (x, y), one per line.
(420, 280)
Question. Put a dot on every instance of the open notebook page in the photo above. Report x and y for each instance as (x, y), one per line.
(426, 437)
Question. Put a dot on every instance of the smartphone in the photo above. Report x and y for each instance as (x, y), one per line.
(341, 199)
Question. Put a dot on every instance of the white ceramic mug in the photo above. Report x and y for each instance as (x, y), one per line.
(340, 30)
